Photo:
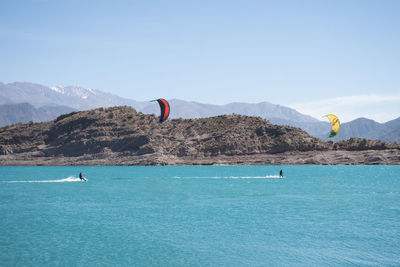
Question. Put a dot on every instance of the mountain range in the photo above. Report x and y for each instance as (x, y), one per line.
(25, 112)
(46, 103)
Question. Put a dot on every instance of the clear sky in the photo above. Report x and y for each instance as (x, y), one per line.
(340, 57)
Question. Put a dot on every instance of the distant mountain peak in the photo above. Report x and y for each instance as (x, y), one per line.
(75, 91)
(363, 121)
(58, 89)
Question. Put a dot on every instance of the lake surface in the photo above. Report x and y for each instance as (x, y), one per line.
(200, 216)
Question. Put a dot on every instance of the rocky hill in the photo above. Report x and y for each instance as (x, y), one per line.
(122, 136)
(79, 98)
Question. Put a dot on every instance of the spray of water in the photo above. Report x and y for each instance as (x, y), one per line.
(68, 179)
(230, 177)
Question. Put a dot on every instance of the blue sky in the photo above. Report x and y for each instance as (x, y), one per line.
(319, 57)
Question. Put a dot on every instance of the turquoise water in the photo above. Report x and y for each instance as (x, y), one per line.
(200, 216)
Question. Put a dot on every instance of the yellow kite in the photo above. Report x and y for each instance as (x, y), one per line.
(335, 124)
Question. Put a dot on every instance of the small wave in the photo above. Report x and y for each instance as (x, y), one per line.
(230, 177)
(69, 179)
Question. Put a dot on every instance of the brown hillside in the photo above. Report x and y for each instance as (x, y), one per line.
(120, 135)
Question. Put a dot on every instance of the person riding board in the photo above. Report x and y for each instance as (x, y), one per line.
(281, 173)
(81, 177)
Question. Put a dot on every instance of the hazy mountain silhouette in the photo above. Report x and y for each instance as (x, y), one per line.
(79, 98)
(25, 112)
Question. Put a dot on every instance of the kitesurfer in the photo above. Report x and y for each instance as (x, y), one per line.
(281, 174)
(81, 177)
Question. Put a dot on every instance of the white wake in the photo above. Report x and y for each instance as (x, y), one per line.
(230, 177)
(69, 179)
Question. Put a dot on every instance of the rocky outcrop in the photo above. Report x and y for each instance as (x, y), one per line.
(361, 144)
(120, 135)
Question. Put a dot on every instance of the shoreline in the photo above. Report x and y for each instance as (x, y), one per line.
(330, 157)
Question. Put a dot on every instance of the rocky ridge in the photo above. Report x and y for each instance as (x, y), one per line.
(122, 136)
